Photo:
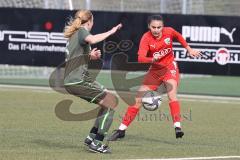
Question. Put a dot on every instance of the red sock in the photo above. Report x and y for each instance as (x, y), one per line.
(175, 111)
(130, 115)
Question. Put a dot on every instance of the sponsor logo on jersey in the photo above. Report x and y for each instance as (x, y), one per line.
(167, 41)
(163, 52)
(173, 72)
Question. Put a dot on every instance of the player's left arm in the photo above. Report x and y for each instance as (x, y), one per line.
(179, 37)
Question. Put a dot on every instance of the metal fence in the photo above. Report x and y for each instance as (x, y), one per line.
(202, 7)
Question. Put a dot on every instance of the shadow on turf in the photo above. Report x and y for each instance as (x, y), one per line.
(150, 140)
(140, 138)
(50, 144)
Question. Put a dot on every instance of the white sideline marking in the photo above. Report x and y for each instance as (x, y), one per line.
(24, 87)
(210, 101)
(208, 97)
(183, 97)
(194, 158)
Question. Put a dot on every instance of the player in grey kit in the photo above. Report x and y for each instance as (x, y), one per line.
(78, 81)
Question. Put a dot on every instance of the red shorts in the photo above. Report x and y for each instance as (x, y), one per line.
(154, 77)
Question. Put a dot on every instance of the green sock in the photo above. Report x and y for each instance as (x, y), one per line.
(92, 135)
(105, 121)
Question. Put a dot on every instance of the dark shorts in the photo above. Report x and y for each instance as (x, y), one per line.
(92, 92)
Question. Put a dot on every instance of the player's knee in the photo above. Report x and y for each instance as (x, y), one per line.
(138, 103)
(110, 100)
(172, 98)
(114, 101)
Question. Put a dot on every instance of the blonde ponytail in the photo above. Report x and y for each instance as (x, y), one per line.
(81, 17)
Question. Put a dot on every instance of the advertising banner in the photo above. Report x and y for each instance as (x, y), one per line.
(35, 37)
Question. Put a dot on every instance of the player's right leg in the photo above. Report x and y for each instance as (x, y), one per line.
(93, 92)
(130, 115)
(104, 121)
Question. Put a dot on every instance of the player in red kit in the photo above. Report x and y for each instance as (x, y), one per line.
(156, 48)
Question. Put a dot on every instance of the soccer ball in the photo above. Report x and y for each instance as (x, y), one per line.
(151, 100)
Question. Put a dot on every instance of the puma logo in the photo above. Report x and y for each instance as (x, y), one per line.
(229, 34)
(152, 45)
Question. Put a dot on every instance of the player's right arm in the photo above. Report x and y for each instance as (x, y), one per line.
(92, 39)
(143, 50)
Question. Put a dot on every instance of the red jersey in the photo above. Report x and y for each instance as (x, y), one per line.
(149, 46)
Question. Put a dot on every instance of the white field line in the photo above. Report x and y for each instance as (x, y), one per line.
(24, 87)
(194, 158)
(182, 97)
(208, 97)
(210, 101)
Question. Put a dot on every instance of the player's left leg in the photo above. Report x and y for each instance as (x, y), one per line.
(171, 81)
(94, 129)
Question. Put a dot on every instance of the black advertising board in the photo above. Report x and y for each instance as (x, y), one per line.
(31, 37)
(34, 37)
